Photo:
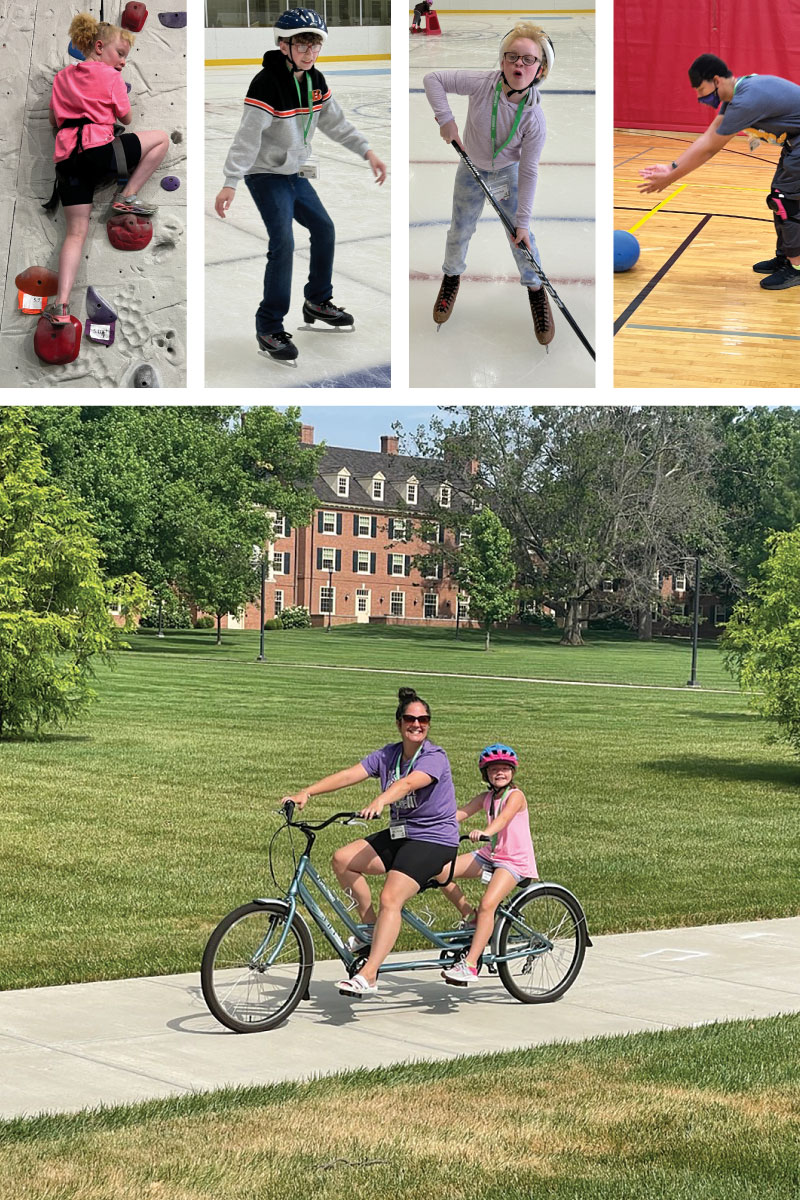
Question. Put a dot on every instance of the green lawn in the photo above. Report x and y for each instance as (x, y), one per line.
(125, 838)
(695, 1114)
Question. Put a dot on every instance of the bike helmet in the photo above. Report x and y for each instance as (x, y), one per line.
(497, 753)
(299, 20)
(547, 46)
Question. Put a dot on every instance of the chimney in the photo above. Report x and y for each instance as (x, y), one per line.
(473, 466)
(389, 445)
(306, 435)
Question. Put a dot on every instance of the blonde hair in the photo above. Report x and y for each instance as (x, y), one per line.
(85, 31)
(534, 34)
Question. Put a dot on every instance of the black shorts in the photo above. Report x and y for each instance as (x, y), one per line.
(79, 176)
(419, 860)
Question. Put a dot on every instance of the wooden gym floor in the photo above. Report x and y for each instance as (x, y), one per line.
(691, 313)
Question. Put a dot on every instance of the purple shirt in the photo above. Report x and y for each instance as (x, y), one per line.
(428, 814)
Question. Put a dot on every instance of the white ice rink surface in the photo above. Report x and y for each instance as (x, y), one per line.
(236, 247)
(489, 340)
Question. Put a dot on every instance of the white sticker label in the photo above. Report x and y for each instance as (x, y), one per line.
(31, 301)
(309, 170)
(100, 333)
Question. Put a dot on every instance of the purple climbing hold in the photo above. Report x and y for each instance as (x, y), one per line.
(98, 309)
(128, 88)
(100, 332)
(173, 20)
(74, 52)
(170, 183)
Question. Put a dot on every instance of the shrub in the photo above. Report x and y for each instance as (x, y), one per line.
(296, 617)
(273, 623)
(175, 614)
(204, 623)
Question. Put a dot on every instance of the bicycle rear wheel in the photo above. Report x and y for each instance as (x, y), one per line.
(549, 923)
(243, 987)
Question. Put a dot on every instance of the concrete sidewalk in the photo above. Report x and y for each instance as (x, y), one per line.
(68, 1048)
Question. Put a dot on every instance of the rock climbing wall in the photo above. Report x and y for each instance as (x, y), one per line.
(145, 288)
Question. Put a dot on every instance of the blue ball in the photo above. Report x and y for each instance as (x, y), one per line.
(626, 250)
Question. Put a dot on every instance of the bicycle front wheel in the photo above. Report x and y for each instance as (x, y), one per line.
(545, 931)
(257, 966)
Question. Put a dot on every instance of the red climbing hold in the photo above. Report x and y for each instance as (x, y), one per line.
(57, 344)
(129, 232)
(37, 281)
(134, 16)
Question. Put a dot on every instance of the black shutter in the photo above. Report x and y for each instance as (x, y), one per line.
(374, 527)
(389, 565)
(355, 562)
(355, 524)
(372, 558)
(338, 560)
(287, 562)
(338, 522)
(319, 558)
(287, 529)
(407, 564)
(319, 521)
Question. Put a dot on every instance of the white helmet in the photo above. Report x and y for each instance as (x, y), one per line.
(546, 45)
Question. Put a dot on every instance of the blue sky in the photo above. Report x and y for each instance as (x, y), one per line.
(359, 427)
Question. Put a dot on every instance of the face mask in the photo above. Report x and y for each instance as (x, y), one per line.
(712, 99)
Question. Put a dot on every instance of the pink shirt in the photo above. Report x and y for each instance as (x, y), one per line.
(514, 844)
(88, 89)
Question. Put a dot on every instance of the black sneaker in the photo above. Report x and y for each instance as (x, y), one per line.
(770, 264)
(785, 277)
(327, 312)
(277, 345)
(446, 298)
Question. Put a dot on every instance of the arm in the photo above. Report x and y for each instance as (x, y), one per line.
(699, 152)
(532, 147)
(475, 805)
(514, 804)
(397, 791)
(331, 783)
(334, 124)
(126, 120)
(437, 84)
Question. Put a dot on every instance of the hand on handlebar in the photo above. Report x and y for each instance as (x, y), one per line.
(300, 799)
(477, 835)
(373, 810)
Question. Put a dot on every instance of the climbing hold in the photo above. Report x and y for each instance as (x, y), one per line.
(128, 88)
(37, 281)
(145, 376)
(134, 16)
(57, 344)
(74, 52)
(98, 308)
(129, 232)
(170, 183)
(173, 20)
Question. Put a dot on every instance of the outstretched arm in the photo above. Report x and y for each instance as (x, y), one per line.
(331, 783)
(699, 152)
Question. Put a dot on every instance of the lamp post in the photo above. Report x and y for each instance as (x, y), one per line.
(263, 564)
(692, 681)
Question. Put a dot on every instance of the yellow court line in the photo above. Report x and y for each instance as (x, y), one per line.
(647, 216)
(331, 58)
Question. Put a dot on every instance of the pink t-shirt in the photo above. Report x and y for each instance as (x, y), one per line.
(514, 844)
(88, 89)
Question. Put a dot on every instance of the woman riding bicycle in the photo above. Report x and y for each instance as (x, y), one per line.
(421, 838)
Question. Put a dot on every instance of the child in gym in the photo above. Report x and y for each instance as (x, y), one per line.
(285, 104)
(504, 136)
(503, 865)
(87, 99)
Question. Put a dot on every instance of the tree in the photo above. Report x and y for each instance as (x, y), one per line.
(761, 644)
(54, 602)
(486, 570)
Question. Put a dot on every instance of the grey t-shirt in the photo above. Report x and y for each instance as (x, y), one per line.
(762, 102)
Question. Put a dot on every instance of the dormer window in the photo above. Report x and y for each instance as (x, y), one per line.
(378, 483)
(343, 484)
(412, 491)
(445, 492)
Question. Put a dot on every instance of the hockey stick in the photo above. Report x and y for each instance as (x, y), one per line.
(507, 223)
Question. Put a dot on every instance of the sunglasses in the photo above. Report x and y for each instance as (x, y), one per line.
(424, 720)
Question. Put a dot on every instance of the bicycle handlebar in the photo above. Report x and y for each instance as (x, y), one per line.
(288, 811)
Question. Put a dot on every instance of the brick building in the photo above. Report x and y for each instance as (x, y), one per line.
(358, 560)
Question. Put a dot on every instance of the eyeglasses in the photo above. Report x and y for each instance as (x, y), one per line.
(409, 720)
(528, 59)
(307, 44)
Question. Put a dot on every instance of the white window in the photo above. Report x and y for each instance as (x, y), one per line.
(280, 526)
(329, 522)
(397, 564)
(364, 526)
(398, 528)
(377, 488)
(278, 602)
(431, 569)
(412, 491)
(328, 558)
(608, 585)
(362, 562)
(430, 605)
(343, 485)
(327, 599)
(463, 607)
(680, 581)
(115, 609)
(462, 537)
(277, 564)
(397, 604)
(445, 492)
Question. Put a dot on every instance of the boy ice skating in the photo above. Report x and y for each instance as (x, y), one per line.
(285, 104)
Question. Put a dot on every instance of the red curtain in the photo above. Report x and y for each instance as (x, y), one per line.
(654, 44)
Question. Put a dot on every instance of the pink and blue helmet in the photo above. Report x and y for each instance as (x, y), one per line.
(497, 753)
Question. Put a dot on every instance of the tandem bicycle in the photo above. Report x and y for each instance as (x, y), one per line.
(258, 962)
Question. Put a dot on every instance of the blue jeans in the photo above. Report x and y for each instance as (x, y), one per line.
(468, 202)
(281, 199)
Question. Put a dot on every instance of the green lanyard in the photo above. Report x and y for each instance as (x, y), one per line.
(300, 102)
(503, 798)
(495, 148)
(397, 772)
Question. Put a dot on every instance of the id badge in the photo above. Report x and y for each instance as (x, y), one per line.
(500, 191)
(309, 170)
(397, 831)
(486, 875)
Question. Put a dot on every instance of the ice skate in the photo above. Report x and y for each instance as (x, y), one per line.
(329, 314)
(278, 346)
(446, 299)
(542, 316)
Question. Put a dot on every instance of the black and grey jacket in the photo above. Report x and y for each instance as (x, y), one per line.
(270, 138)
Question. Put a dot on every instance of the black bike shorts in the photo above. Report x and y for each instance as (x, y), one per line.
(419, 860)
(80, 175)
